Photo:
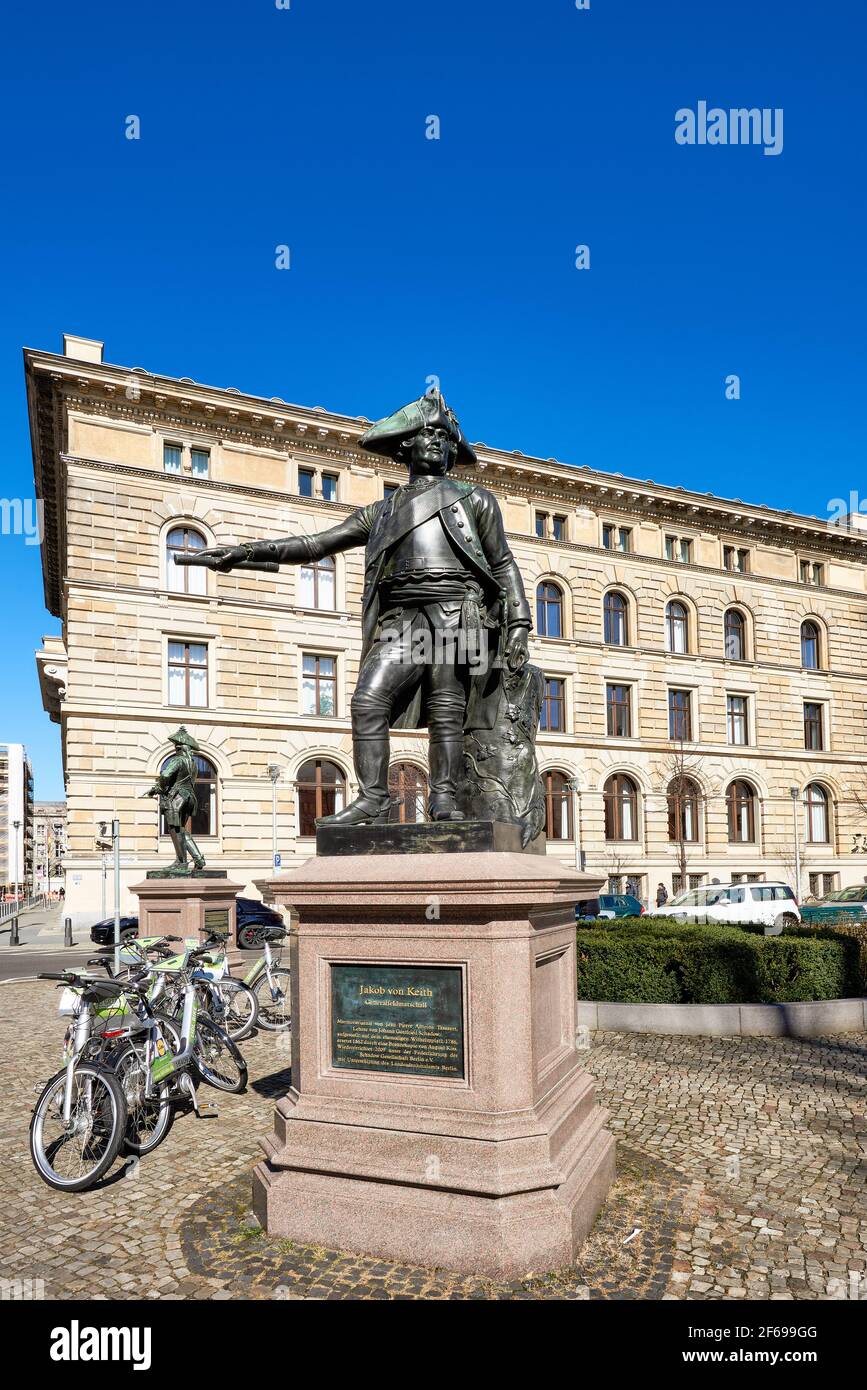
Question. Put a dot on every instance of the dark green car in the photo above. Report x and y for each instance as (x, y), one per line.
(609, 905)
(845, 902)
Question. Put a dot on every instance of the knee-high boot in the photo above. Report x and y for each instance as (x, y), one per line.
(370, 807)
(446, 765)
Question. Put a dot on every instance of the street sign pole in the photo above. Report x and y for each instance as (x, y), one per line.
(115, 836)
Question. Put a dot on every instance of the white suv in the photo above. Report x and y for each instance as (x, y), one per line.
(770, 904)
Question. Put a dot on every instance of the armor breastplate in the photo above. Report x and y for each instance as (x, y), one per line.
(426, 547)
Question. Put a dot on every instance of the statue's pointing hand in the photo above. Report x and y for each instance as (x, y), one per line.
(222, 557)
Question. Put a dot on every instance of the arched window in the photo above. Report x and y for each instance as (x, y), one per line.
(816, 807)
(321, 791)
(558, 806)
(811, 654)
(204, 822)
(185, 579)
(741, 802)
(316, 588)
(683, 805)
(616, 620)
(735, 635)
(621, 808)
(676, 627)
(407, 787)
(549, 610)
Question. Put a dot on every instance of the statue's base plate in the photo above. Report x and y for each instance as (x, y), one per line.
(184, 873)
(421, 837)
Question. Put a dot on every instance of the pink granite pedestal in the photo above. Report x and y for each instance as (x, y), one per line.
(178, 906)
(498, 1171)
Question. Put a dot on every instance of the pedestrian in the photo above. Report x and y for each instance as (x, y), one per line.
(661, 895)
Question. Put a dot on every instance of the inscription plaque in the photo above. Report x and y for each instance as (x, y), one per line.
(405, 1019)
(217, 919)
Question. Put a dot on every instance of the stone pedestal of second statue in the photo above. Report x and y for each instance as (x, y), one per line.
(187, 907)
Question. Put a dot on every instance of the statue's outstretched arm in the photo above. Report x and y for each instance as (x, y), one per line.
(291, 550)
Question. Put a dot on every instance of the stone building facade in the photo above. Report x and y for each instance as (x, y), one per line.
(49, 845)
(706, 659)
(16, 820)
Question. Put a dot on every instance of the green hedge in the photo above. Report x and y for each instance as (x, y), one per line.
(660, 961)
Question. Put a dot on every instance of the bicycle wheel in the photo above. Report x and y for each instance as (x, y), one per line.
(149, 1118)
(274, 1003)
(75, 1156)
(217, 1059)
(241, 1008)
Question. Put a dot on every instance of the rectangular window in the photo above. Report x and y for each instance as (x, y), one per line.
(200, 460)
(736, 559)
(813, 732)
(678, 548)
(305, 481)
(553, 715)
(188, 674)
(617, 537)
(680, 714)
(172, 458)
(619, 706)
(541, 525)
(559, 528)
(736, 718)
(812, 572)
(329, 487)
(316, 584)
(388, 490)
(318, 685)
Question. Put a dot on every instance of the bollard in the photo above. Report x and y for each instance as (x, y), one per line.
(67, 931)
(13, 932)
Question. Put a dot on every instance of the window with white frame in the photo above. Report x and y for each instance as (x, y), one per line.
(187, 673)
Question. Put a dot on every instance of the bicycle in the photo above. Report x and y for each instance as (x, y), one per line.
(270, 981)
(230, 1002)
(215, 1056)
(80, 1117)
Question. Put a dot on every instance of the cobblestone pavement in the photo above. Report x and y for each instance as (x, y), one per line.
(742, 1174)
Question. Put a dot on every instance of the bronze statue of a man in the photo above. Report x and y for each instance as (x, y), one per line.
(440, 585)
(176, 788)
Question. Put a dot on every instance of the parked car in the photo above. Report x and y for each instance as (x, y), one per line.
(849, 902)
(608, 905)
(102, 933)
(252, 917)
(768, 904)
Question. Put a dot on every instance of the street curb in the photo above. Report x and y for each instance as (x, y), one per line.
(809, 1019)
(5, 951)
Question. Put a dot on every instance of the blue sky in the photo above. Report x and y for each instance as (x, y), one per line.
(306, 127)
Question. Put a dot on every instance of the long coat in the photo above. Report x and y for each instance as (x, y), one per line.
(473, 523)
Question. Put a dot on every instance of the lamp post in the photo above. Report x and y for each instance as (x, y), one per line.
(795, 794)
(16, 825)
(274, 771)
(115, 838)
(575, 783)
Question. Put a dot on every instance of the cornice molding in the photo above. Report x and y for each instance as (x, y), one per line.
(535, 542)
(56, 382)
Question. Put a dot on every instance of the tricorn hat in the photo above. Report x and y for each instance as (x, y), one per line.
(181, 736)
(429, 411)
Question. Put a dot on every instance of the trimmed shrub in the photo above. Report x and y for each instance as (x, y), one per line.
(661, 961)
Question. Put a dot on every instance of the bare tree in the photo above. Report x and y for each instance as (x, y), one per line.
(681, 789)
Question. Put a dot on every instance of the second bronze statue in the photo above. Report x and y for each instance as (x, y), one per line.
(444, 612)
